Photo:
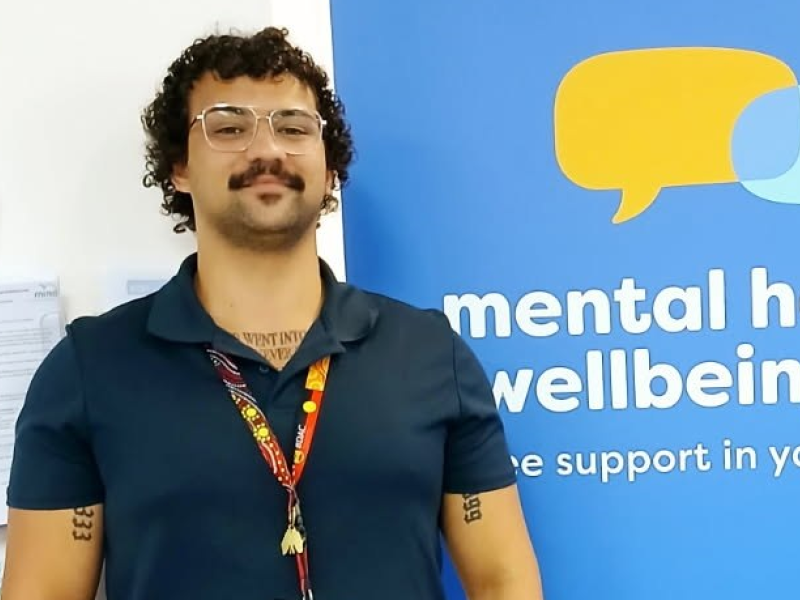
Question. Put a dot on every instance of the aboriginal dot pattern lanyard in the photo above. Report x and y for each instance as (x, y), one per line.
(294, 541)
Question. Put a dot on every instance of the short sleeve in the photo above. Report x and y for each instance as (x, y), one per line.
(53, 466)
(477, 456)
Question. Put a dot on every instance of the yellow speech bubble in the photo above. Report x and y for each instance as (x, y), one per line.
(643, 120)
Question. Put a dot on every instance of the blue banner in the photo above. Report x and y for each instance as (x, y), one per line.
(603, 198)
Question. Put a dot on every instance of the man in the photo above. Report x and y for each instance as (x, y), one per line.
(255, 429)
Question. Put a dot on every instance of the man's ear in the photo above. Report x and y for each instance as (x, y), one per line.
(331, 182)
(180, 178)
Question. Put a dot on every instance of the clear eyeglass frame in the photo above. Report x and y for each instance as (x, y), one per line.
(296, 147)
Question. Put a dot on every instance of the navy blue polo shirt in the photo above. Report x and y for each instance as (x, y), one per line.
(129, 411)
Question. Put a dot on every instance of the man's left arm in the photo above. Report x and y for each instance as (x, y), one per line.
(489, 545)
(485, 532)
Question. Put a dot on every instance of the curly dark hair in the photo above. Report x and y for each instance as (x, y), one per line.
(267, 53)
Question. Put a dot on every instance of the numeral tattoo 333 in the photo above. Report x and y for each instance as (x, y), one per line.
(82, 524)
(472, 508)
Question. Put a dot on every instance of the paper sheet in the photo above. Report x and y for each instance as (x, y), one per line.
(31, 323)
(121, 288)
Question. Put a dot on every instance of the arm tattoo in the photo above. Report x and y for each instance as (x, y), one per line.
(472, 508)
(277, 347)
(82, 524)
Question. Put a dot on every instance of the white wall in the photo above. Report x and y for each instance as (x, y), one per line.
(75, 77)
(309, 25)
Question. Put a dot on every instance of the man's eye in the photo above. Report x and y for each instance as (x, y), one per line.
(293, 131)
(228, 131)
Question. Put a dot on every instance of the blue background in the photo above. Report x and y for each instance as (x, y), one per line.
(456, 189)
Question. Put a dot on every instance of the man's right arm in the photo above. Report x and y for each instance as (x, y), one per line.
(53, 554)
(54, 546)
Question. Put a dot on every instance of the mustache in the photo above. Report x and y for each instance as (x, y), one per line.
(259, 168)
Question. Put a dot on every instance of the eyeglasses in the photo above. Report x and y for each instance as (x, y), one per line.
(229, 128)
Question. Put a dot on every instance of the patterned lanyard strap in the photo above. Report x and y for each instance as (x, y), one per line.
(294, 541)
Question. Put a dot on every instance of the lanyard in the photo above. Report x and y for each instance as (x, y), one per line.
(295, 540)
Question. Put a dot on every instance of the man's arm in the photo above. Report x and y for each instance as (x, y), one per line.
(53, 554)
(488, 541)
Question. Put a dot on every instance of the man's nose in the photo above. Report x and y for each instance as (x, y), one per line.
(264, 145)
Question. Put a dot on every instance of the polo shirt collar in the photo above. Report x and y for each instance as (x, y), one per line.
(348, 314)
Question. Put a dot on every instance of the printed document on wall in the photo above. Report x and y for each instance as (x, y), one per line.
(31, 324)
(124, 287)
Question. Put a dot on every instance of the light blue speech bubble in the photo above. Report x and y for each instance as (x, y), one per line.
(766, 146)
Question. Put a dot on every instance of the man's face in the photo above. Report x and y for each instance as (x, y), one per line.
(262, 198)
